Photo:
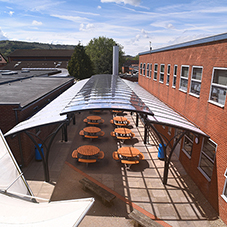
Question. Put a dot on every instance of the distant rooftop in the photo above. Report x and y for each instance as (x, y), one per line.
(42, 52)
(24, 91)
(209, 39)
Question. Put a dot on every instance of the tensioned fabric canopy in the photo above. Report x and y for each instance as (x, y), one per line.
(107, 92)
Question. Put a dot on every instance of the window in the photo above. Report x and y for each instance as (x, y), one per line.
(196, 80)
(175, 76)
(148, 71)
(188, 142)
(155, 71)
(184, 78)
(207, 157)
(162, 70)
(168, 74)
(224, 193)
(219, 86)
(144, 69)
(141, 64)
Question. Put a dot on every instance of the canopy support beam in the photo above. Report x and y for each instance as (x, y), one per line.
(47, 146)
(167, 160)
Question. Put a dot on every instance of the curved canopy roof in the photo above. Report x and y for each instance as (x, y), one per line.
(107, 92)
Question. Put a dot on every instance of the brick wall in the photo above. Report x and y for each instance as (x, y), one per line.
(8, 121)
(211, 118)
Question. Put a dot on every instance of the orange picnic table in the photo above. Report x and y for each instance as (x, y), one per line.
(93, 120)
(128, 155)
(120, 121)
(122, 133)
(91, 132)
(88, 154)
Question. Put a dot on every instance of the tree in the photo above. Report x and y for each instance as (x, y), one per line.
(80, 65)
(100, 51)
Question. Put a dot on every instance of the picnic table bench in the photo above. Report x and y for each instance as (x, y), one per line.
(106, 196)
(142, 220)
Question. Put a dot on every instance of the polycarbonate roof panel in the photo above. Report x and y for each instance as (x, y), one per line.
(163, 114)
(106, 92)
(51, 113)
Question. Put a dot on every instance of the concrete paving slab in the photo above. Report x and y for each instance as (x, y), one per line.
(141, 188)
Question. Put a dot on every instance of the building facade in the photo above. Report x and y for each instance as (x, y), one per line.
(192, 79)
(22, 97)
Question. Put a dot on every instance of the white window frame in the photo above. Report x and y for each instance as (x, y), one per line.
(155, 71)
(224, 196)
(162, 73)
(183, 78)
(148, 70)
(196, 81)
(190, 140)
(168, 74)
(144, 68)
(208, 158)
(174, 76)
(141, 69)
(220, 86)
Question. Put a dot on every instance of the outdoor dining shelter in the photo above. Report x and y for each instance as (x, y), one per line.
(107, 92)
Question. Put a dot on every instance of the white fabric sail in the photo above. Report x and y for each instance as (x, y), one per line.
(16, 204)
(11, 178)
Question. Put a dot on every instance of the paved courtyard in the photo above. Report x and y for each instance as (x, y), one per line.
(179, 203)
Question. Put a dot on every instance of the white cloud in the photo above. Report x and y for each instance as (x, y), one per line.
(2, 35)
(71, 18)
(11, 13)
(37, 23)
(99, 7)
(86, 27)
(130, 2)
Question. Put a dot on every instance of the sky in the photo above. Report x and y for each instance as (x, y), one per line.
(134, 24)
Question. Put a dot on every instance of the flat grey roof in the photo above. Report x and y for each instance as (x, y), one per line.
(26, 91)
(50, 114)
(190, 43)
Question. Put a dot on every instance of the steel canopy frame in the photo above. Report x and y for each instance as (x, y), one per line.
(107, 92)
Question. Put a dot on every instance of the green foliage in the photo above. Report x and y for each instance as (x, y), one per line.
(80, 65)
(7, 47)
(100, 51)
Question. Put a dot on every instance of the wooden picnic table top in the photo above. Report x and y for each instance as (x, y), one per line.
(92, 129)
(94, 118)
(122, 130)
(88, 150)
(119, 118)
(128, 151)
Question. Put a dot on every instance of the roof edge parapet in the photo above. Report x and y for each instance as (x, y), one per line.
(209, 39)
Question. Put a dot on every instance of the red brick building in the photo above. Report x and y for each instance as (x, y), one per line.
(192, 79)
(3, 61)
(38, 58)
(21, 96)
